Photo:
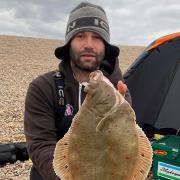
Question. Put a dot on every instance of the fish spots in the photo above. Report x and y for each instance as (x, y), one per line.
(77, 168)
(103, 141)
(77, 124)
(77, 147)
(141, 171)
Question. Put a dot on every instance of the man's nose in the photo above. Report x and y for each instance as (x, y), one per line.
(88, 43)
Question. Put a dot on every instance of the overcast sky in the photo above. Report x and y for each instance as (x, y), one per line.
(132, 22)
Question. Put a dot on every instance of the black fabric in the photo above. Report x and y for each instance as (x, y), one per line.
(149, 80)
(10, 153)
(150, 130)
(7, 154)
(34, 175)
(106, 68)
(170, 107)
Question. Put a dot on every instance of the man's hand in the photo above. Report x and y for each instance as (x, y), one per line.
(121, 87)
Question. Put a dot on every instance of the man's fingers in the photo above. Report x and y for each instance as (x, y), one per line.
(121, 87)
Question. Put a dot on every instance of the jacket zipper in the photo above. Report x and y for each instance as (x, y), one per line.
(80, 92)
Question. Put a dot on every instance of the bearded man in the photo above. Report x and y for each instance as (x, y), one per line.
(48, 114)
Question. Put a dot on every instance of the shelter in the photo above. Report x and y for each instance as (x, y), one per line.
(154, 83)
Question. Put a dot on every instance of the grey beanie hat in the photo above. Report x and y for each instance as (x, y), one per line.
(87, 17)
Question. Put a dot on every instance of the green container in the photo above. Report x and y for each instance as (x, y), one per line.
(166, 158)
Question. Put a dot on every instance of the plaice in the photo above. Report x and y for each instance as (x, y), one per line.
(104, 141)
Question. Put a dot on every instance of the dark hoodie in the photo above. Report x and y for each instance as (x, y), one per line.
(41, 113)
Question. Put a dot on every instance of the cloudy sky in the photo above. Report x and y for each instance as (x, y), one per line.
(132, 22)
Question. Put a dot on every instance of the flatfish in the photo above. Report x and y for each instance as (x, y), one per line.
(104, 142)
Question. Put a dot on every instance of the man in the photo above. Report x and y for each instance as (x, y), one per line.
(86, 49)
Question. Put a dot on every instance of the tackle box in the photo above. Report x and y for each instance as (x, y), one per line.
(166, 158)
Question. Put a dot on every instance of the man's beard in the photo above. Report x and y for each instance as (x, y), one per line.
(76, 60)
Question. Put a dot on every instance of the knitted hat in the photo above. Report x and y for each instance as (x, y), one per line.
(87, 17)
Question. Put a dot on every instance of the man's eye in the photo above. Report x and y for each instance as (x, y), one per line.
(79, 36)
(97, 37)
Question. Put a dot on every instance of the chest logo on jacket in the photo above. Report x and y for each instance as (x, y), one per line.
(68, 110)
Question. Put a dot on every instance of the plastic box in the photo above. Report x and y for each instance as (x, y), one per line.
(166, 158)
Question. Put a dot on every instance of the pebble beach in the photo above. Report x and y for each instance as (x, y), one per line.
(21, 60)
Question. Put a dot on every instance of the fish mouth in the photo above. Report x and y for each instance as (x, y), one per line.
(96, 75)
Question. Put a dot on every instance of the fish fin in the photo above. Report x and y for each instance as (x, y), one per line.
(60, 161)
(144, 160)
(100, 124)
(119, 100)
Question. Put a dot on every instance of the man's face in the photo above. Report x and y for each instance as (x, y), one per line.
(87, 50)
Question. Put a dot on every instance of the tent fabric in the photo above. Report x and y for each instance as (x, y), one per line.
(163, 40)
(154, 83)
(169, 113)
